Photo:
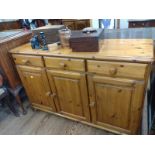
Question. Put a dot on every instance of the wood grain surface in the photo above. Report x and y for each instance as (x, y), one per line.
(133, 50)
(42, 123)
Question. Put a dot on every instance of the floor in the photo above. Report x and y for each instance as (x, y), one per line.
(42, 123)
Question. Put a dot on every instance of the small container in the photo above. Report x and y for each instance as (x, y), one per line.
(64, 35)
(89, 41)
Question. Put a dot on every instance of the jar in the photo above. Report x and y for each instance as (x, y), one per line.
(64, 35)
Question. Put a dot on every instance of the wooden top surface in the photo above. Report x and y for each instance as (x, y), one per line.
(134, 50)
(12, 34)
(129, 33)
(48, 26)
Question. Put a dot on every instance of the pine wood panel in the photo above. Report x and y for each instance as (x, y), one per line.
(112, 102)
(36, 84)
(109, 98)
(116, 89)
(71, 93)
(28, 60)
(65, 63)
(117, 69)
(137, 106)
(131, 50)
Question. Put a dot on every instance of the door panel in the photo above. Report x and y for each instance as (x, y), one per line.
(71, 90)
(115, 102)
(36, 85)
(72, 99)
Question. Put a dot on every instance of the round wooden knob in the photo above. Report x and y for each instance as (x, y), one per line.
(48, 93)
(63, 65)
(25, 61)
(113, 71)
(53, 95)
(92, 104)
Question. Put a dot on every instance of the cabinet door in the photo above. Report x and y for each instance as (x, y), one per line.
(37, 88)
(71, 93)
(116, 103)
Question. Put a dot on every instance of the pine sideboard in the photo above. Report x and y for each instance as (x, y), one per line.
(104, 89)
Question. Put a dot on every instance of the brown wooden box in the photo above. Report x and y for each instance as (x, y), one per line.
(85, 42)
(51, 32)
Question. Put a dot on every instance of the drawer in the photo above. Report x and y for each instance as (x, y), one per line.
(65, 63)
(117, 69)
(28, 60)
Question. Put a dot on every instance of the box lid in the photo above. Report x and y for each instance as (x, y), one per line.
(77, 36)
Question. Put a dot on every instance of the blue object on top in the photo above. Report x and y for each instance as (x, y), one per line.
(106, 22)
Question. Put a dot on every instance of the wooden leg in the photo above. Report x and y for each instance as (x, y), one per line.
(21, 104)
(15, 93)
(11, 106)
(34, 109)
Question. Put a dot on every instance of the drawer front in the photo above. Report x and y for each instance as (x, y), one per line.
(117, 69)
(28, 60)
(65, 63)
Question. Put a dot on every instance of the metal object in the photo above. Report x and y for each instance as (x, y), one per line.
(44, 42)
(35, 42)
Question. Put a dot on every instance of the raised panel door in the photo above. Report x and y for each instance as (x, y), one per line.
(116, 102)
(71, 93)
(37, 88)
